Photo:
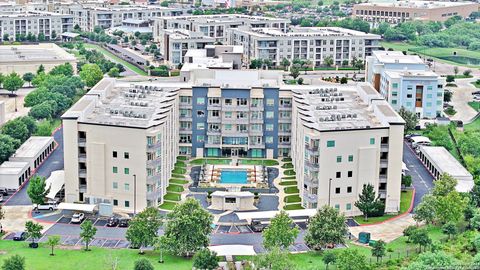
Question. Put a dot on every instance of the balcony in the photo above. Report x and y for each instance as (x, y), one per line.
(82, 173)
(285, 120)
(185, 118)
(154, 162)
(214, 132)
(258, 108)
(82, 141)
(284, 132)
(382, 178)
(256, 121)
(257, 146)
(384, 147)
(312, 148)
(312, 198)
(312, 166)
(309, 181)
(82, 157)
(152, 179)
(185, 106)
(211, 107)
(255, 132)
(154, 145)
(154, 195)
(383, 163)
(214, 120)
(82, 188)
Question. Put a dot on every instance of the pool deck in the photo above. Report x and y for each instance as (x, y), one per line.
(213, 174)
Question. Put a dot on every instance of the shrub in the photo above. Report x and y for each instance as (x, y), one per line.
(450, 78)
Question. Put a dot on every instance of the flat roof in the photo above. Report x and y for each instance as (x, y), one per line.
(13, 167)
(31, 147)
(446, 163)
(417, 4)
(307, 32)
(43, 52)
(396, 57)
(411, 73)
(271, 214)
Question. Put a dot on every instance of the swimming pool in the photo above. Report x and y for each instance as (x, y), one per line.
(233, 177)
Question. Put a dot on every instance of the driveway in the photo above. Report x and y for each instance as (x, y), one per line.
(421, 177)
(461, 96)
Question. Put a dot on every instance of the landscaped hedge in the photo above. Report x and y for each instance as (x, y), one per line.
(292, 199)
(289, 190)
(289, 172)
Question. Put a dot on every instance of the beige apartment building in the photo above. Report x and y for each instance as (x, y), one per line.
(401, 11)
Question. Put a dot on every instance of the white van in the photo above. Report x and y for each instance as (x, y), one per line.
(46, 206)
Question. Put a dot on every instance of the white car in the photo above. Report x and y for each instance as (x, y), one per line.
(46, 206)
(78, 217)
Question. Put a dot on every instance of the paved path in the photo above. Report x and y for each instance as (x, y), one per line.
(421, 178)
(388, 231)
(461, 96)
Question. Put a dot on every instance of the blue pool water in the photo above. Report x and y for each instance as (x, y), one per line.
(233, 177)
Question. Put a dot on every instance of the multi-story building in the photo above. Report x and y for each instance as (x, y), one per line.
(216, 26)
(35, 23)
(174, 44)
(401, 11)
(344, 137)
(405, 81)
(351, 130)
(121, 142)
(312, 43)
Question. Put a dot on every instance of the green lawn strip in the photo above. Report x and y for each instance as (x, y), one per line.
(178, 181)
(178, 170)
(288, 178)
(180, 164)
(266, 162)
(405, 200)
(97, 258)
(289, 172)
(168, 205)
(172, 197)
(291, 190)
(292, 199)
(476, 83)
(288, 183)
(287, 166)
(475, 105)
(179, 176)
(174, 188)
(461, 76)
(116, 59)
(295, 206)
(287, 159)
(213, 161)
(182, 158)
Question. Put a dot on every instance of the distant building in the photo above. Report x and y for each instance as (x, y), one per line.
(401, 11)
(405, 81)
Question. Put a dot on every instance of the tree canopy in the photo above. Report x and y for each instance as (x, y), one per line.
(327, 226)
(281, 232)
(143, 228)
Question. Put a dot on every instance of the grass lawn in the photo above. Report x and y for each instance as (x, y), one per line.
(172, 197)
(116, 59)
(182, 158)
(176, 175)
(97, 258)
(288, 183)
(266, 162)
(214, 161)
(180, 164)
(289, 172)
(168, 205)
(178, 170)
(46, 127)
(174, 188)
(178, 181)
(289, 178)
(292, 199)
(475, 105)
(287, 166)
(291, 190)
(287, 159)
(476, 83)
(405, 199)
(475, 125)
(461, 76)
(295, 206)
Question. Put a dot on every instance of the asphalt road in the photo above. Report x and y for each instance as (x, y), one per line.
(421, 177)
(53, 163)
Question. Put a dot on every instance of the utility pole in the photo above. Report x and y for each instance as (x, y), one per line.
(134, 194)
(329, 190)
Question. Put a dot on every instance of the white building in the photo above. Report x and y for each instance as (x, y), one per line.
(34, 151)
(14, 174)
(405, 81)
(312, 43)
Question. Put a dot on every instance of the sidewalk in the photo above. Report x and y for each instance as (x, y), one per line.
(387, 231)
(17, 216)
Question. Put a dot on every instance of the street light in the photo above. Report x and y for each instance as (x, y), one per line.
(134, 194)
(329, 188)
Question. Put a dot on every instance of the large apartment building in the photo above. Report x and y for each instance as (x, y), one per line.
(405, 81)
(401, 11)
(217, 26)
(174, 44)
(312, 43)
(351, 130)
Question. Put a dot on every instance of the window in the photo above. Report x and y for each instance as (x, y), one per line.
(269, 139)
(126, 155)
(228, 126)
(350, 173)
(349, 189)
(330, 143)
(127, 203)
(228, 102)
(228, 115)
(127, 187)
(395, 85)
(339, 159)
(115, 202)
(230, 200)
(269, 115)
(200, 138)
(348, 206)
(350, 158)
(337, 206)
(200, 126)
(394, 102)
(115, 185)
(338, 174)
(114, 154)
(372, 140)
(126, 171)
(269, 127)
(429, 95)
(337, 190)
(409, 95)
(115, 170)
(241, 102)
(200, 100)
(270, 101)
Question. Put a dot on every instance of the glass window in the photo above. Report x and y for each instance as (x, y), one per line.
(394, 102)
(115, 185)
(337, 190)
(349, 189)
(200, 100)
(350, 158)
(330, 143)
(127, 203)
(228, 115)
(350, 173)
(395, 85)
(200, 126)
(115, 170)
(126, 171)
(115, 202)
(339, 159)
(126, 155)
(269, 127)
(429, 87)
(372, 140)
(200, 138)
(270, 101)
(269, 115)
(349, 206)
(269, 139)
(337, 206)
(114, 154)
(338, 174)
(127, 187)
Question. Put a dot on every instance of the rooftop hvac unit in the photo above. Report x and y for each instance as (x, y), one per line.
(334, 107)
(354, 115)
(144, 115)
(132, 103)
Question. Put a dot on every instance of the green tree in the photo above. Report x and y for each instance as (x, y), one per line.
(205, 259)
(37, 189)
(16, 129)
(420, 237)
(143, 264)
(88, 232)
(411, 119)
(275, 259)
(8, 145)
(329, 256)
(351, 259)
(450, 229)
(450, 78)
(343, 80)
(6, 37)
(91, 74)
(379, 249)
(28, 77)
(43, 110)
(13, 82)
(52, 242)
(114, 72)
(327, 226)
(444, 185)
(285, 63)
(280, 232)
(188, 228)
(33, 230)
(65, 69)
(475, 220)
(328, 61)
(433, 260)
(408, 232)
(54, 34)
(367, 202)
(294, 72)
(425, 210)
(41, 37)
(41, 69)
(256, 63)
(142, 230)
(15, 262)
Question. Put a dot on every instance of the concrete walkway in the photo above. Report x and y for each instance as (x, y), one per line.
(461, 96)
(17, 216)
(387, 231)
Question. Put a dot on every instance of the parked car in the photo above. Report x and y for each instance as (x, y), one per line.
(78, 217)
(476, 93)
(46, 206)
(112, 222)
(1, 197)
(19, 236)
(257, 225)
(4, 191)
(476, 97)
(123, 222)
